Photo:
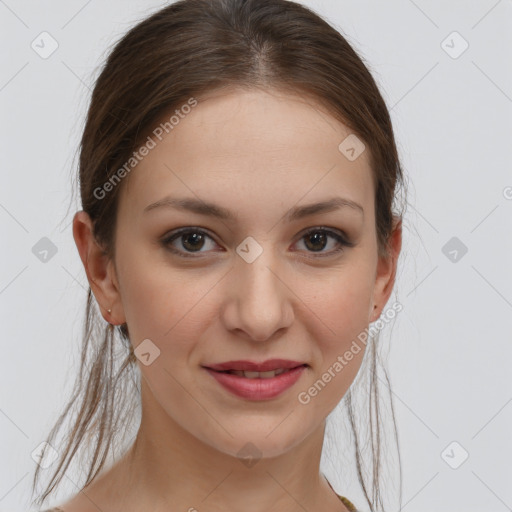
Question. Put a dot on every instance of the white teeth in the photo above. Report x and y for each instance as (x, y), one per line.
(258, 375)
(255, 375)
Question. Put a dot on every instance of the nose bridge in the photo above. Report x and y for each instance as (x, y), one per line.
(262, 303)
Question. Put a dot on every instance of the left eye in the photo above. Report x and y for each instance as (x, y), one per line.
(193, 240)
(317, 239)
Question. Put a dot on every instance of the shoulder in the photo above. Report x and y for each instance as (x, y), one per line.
(347, 503)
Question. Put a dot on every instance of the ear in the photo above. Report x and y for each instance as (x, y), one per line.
(386, 272)
(100, 269)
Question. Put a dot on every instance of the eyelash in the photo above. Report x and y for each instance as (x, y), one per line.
(343, 242)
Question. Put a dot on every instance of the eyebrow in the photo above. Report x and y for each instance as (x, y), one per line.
(212, 210)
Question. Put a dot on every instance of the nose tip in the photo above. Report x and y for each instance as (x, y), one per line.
(260, 304)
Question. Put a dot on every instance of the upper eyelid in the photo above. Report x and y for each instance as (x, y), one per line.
(179, 231)
(175, 234)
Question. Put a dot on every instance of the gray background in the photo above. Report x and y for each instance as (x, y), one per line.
(450, 348)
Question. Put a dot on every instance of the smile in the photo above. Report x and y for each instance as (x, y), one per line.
(253, 385)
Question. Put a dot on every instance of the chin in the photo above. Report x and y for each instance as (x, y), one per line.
(252, 441)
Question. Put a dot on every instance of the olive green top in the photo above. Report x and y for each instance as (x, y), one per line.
(345, 501)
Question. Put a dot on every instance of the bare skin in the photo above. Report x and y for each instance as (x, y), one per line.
(257, 154)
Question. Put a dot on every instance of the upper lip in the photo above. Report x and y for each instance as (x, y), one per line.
(253, 366)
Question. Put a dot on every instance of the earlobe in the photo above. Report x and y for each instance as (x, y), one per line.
(373, 317)
(112, 273)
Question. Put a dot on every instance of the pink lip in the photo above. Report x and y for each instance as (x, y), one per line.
(252, 366)
(258, 389)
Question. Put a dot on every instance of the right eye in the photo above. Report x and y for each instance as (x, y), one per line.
(191, 240)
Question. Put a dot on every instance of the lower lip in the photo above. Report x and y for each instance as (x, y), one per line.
(258, 389)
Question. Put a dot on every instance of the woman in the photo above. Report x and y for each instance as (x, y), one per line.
(237, 175)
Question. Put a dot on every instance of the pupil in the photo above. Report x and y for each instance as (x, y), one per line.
(195, 238)
(318, 237)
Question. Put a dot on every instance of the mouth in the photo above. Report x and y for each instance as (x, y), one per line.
(259, 375)
(256, 370)
(257, 381)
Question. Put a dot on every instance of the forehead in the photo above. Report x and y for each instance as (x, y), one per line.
(250, 147)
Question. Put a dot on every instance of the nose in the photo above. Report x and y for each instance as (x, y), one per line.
(259, 301)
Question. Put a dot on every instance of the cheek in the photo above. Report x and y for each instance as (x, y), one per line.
(345, 313)
(340, 316)
(158, 300)
(342, 305)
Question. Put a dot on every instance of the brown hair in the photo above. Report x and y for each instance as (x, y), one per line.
(186, 49)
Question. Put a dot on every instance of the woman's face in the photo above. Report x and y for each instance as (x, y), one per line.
(262, 283)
